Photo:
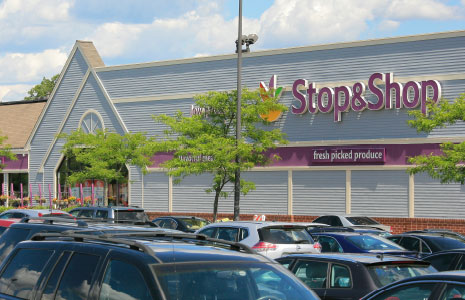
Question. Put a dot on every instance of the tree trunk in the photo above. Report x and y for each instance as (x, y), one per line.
(215, 206)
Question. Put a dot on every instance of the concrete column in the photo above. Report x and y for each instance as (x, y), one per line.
(170, 194)
(411, 196)
(348, 191)
(289, 193)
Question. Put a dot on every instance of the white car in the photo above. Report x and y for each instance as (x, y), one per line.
(272, 239)
(351, 221)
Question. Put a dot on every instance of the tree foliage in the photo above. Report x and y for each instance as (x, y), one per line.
(206, 143)
(448, 166)
(5, 151)
(43, 89)
(105, 154)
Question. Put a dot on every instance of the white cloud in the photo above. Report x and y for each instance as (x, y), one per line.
(388, 25)
(31, 67)
(13, 92)
(36, 10)
(420, 9)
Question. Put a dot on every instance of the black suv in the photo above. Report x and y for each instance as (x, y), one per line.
(146, 266)
(27, 227)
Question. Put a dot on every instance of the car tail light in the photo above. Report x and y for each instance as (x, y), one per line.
(264, 246)
(317, 246)
(40, 215)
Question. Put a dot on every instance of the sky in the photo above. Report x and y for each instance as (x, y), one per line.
(36, 36)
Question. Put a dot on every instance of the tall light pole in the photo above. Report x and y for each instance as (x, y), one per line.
(237, 182)
(241, 40)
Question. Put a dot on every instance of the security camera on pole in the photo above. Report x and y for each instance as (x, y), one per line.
(247, 40)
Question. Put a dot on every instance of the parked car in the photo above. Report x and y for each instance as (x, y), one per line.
(365, 230)
(351, 220)
(442, 232)
(119, 214)
(435, 286)
(78, 266)
(272, 239)
(5, 223)
(26, 228)
(33, 213)
(352, 242)
(351, 276)
(182, 223)
(426, 243)
(447, 260)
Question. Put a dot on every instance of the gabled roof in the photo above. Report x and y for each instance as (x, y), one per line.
(17, 120)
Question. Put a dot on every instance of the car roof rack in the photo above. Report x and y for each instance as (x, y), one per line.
(53, 220)
(122, 238)
(117, 221)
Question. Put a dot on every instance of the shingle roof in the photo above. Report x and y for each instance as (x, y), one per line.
(17, 120)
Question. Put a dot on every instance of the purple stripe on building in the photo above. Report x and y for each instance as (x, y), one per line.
(20, 164)
(376, 154)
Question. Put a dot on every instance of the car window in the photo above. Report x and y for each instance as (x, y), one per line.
(424, 247)
(210, 232)
(10, 238)
(418, 291)
(101, 213)
(23, 271)
(74, 212)
(286, 262)
(369, 242)
(454, 292)
(329, 244)
(410, 243)
(228, 233)
(461, 265)
(386, 274)
(50, 288)
(76, 280)
(285, 235)
(217, 280)
(395, 239)
(442, 262)
(362, 221)
(130, 215)
(335, 221)
(18, 215)
(340, 277)
(322, 220)
(86, 213)
(445, 243)
(312, 273)
(6, 215)
(194, 223)
(172, 224)
(123, 281)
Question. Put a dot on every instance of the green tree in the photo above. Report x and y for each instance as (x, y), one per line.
(44, 89)
(206, 143)
(449, 165)
(5, 151)
(105, 154)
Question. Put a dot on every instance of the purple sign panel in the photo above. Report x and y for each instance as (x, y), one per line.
(349, 155)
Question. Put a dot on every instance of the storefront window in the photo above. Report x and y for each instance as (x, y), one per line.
(117, 192)
(17, 179)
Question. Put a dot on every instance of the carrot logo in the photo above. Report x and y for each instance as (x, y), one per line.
(268, 92)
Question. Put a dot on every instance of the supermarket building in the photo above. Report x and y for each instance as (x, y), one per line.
(347, 126)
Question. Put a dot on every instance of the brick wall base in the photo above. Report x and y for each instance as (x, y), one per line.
(398, 225)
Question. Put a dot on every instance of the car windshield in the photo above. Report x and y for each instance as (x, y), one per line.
(386, 274)
(194, 224)
(130, 215)
(445, 243)
(369, 242)
(285, 235)
(219, 280)
(362, 221)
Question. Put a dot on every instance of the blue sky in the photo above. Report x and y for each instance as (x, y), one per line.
(36, 36)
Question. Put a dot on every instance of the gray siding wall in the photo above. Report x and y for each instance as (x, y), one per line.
(91, 97)
(318, 192)
(47, 129)
(156, 192)
(436, 200)
(270, 197)
(430, 57)
(135, 186)
(380, 193)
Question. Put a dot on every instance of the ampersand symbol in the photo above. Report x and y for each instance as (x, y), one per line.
(358, 102)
